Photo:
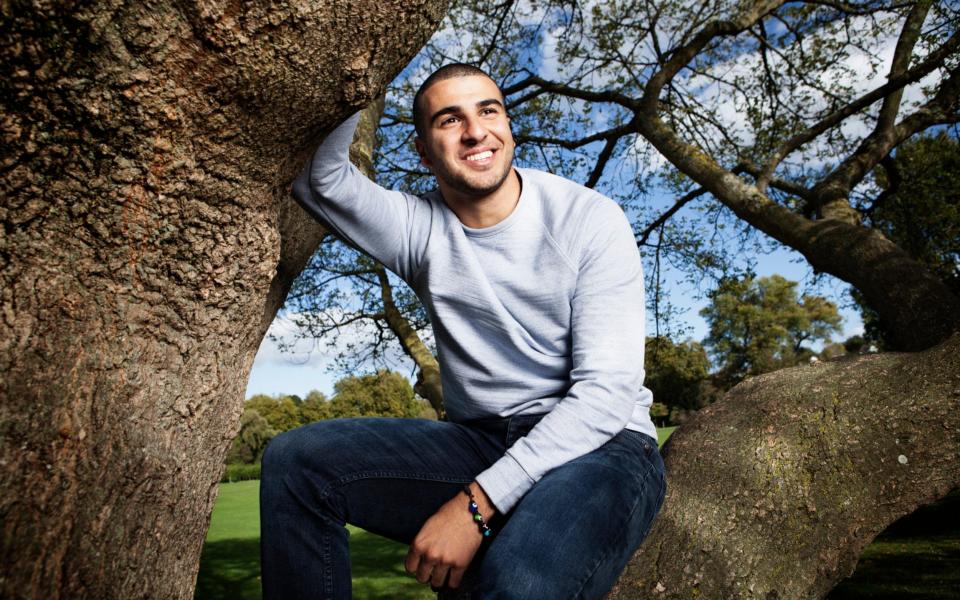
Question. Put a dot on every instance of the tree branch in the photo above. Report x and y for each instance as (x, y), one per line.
(901, 62)
(940, 109)
(680, 203)
(495, 38)
(429, 385)
(573, 92)
(602, 160)
(610, 134)
(753, 12)
(932, 62)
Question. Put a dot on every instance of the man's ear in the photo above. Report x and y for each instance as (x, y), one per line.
(422, 151)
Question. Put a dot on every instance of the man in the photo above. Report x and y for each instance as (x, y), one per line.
(546, 477)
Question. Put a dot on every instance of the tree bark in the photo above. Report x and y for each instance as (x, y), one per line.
(147, 242)
(775, 491)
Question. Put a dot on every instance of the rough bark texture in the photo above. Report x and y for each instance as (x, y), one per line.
(147, 148)
(774, 491)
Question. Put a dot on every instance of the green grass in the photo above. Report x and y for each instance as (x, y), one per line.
(663, 433)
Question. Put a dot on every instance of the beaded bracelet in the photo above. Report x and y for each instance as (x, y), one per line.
(475, 511)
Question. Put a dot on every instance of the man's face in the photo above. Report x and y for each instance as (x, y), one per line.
(467, 142)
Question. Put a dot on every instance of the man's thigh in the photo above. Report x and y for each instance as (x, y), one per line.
(574, 531)
(385, 475)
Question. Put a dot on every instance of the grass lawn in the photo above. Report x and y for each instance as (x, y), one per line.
(918, 558)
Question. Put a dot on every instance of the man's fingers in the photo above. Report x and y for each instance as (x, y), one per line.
(456, 575)
(424, 571)
(412, 561)
(439, 575)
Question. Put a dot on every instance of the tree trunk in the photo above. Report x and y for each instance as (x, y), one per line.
(775, 491)
(147, 242)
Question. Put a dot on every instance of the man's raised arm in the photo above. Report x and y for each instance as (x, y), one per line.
(390, 226)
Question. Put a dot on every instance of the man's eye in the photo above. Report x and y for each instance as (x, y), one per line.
(489, 111)
(449, 120)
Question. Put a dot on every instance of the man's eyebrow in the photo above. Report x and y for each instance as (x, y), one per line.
(455, 109)
(489, 102)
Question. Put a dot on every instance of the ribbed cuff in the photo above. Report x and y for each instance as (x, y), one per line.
(505, 482)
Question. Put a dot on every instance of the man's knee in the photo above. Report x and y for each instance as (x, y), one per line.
(307, 452)
(282, 452)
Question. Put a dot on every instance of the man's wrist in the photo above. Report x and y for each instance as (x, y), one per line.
(486, 507)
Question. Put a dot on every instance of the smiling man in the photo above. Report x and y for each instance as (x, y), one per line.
(546, 477)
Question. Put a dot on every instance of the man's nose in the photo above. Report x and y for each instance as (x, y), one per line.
(473, 131)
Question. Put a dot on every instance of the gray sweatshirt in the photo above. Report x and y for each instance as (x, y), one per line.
(541, 313)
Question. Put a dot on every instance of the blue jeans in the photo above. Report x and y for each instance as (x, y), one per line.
(570, 536)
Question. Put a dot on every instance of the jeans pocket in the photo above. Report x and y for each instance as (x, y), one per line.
(641, 441)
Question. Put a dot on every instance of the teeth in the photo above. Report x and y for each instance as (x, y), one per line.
(480, 155)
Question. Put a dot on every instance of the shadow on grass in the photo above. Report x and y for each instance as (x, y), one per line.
(230, 570)
(916, 558)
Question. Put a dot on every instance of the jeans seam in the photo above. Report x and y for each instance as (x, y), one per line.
(328, 566)
(623, 533)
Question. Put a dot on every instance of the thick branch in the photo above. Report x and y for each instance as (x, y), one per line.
(901, 61)
(428, 382)
(907, 296)
(772, 475)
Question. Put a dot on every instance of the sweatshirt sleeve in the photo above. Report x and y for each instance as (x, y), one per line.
(390, 226)
(607, 335)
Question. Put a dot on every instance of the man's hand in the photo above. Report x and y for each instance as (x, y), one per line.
(447, 542)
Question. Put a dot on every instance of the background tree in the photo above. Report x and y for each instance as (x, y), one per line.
(255, 433)
(282, 413)
(384, 393)
(147, 243)
(760, 325)
(676, 373)
(315, 407)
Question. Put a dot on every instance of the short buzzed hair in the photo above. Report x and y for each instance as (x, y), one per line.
(450, 71)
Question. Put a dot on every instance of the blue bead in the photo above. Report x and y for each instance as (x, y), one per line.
(486, 533)
(473, 507)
